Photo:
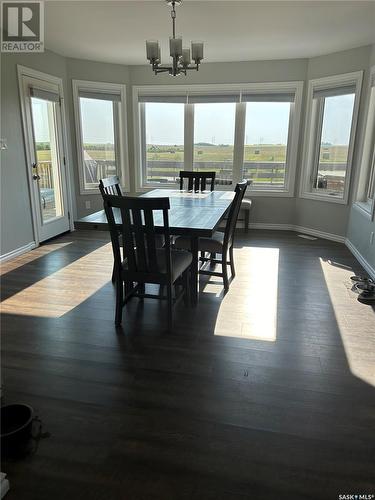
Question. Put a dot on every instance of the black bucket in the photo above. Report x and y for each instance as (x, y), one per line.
(16, 429)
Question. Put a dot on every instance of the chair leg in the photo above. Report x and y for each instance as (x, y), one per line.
(225, 271)
(212, 257)
(119, 301)
(128, 288)
(170, 306)
(231, 260)
(114, 272)
(185, 278)
(247, 217)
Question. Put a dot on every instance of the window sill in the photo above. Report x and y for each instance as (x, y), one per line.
(324, 197)
(96, 192)
(364, 208)
(249, 192)
(268, 193)
(149, 187)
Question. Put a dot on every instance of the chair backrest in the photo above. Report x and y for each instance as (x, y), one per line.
(110, 185)
(197, 181)
(132, 219)
(234, 210)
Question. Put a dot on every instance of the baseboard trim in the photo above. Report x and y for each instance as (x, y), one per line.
(17, 252)
(368, 268)
(298, 229)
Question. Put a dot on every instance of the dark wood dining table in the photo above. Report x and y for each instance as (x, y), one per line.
(193, 214)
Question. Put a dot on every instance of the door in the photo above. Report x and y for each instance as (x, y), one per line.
(44, 133)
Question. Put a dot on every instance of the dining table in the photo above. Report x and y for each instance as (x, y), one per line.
(193, 214)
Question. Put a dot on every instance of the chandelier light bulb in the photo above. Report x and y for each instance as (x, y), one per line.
(175, 46)
(152, 49)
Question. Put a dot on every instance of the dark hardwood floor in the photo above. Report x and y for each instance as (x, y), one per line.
(267, 393)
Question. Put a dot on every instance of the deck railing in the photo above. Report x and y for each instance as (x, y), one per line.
(167, 172)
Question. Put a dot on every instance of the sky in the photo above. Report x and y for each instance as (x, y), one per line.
(266, 123)
(40, 120)
(337, 119)
(214, 123)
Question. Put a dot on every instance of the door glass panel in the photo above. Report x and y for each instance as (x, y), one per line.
(47, 158)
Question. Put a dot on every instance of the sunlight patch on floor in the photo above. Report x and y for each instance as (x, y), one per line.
(250, 306)
(26, 258)
(67, 288)
(356, 321)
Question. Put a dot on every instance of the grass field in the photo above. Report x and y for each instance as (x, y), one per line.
(252, 153)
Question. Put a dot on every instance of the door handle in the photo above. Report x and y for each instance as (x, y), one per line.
(36, 177)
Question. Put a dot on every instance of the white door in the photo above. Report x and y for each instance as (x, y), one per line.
(45, 143)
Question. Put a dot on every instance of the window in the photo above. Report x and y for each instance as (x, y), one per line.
(101, 137)
(266, 143)
(214, 139)
(371, 178)
(239, 131)
(332, 117)
(366, 184)
(164, 141)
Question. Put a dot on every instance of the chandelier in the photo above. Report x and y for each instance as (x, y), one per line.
(181, 58)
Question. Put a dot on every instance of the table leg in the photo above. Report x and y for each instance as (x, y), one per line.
(194, 270)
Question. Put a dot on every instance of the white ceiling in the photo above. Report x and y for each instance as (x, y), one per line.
(115, 31)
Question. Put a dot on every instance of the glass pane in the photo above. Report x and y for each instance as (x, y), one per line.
(334, 144)
(266, 141)
(214, 139)
(98, 138)
(47, 157)
(371, 177)
(164, 128)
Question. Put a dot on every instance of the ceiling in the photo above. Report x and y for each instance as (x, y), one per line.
(115, 31)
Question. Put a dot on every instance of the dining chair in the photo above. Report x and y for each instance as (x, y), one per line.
(197, 181)
(111, 185)
(139, 261)
(219, 243)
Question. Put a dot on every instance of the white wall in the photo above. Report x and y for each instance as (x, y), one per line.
(322, 215)
(360, 226)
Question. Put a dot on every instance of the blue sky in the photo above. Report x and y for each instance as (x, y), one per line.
(266, 123)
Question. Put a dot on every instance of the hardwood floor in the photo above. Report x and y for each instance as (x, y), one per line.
(267, 393)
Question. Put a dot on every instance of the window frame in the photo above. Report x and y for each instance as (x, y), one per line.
(313, 133)
(295, 87)
(365, 195)
(120, 130)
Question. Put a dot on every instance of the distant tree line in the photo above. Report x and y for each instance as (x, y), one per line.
(43, 146)
(99, 147)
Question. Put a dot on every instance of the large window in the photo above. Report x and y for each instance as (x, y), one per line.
(333, 110)
(214, 139)
(266, 143)
(248, 131)
(100, 132)
(164, 141)
(366, 184)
